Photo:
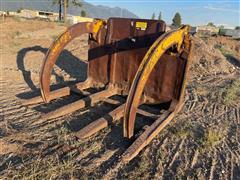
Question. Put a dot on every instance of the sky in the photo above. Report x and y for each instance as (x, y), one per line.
(193, 12)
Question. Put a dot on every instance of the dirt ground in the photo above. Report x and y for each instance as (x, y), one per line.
(202, 142)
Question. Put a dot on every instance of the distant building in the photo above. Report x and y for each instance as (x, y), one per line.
(209, 30)
(193, 30)
(234, 33)
(12, 13)
(76, 19)
(2, 13)
(52, 16)
(26, 13)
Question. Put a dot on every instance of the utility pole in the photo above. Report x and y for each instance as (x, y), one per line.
(65, 11)
(60, 10)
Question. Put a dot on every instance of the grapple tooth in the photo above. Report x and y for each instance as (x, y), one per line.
(104, 121)
(145, 113)
(151, 131)
(79, 87)
(90, 100)
(112, 101)
(145, 138)
(53, 95)
(101, 123)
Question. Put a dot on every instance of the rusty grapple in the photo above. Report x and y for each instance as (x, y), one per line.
(135, 58)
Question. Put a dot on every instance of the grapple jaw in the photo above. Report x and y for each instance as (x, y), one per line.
(173, 39)
(132, 57)
(57, 47)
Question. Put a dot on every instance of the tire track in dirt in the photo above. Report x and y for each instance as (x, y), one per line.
(229, 148)
(213, 112)
(158, 168)
(176, 154)
(172, 154)
(194, 159)
(213, 166)
(214, 108)
(232, 166)
(237, 115)
(11, 112)
(223, 164)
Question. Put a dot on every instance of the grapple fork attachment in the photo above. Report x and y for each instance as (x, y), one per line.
(132, 57)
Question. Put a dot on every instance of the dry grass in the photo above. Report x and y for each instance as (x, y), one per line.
(202, 90)
(220, 48)
(54, 37)
(141, 170)
(46, 169)
(212, 138)
(231, 93)
(16, 34)
(223, 50)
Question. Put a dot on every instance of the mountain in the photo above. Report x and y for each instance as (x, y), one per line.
(93, 11)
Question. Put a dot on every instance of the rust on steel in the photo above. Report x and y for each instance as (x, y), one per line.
(90, 100)
(104, 121)
(101, 123)
(151, 131)
(160, 46)
(65, 91)
(56, 48)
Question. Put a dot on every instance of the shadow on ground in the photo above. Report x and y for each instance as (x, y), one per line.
(67, 62)
(233, 60)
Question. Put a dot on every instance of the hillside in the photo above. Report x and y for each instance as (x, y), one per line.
(92, 10)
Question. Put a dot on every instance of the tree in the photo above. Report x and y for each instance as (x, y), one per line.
(83, 13)
(237, 27)
(59, 2)
(211, 24)
(19, 10)
(177, 20)
(153, 16)
(221, 27)
(65, 3)
(160, 16)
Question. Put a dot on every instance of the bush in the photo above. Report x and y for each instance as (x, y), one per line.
(232, 93)
(83, 13)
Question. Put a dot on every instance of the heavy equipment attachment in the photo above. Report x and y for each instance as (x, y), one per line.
(135, 58)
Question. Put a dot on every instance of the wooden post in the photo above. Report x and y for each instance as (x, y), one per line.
(65, 11)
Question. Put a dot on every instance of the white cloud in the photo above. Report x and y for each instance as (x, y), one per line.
(221, 9)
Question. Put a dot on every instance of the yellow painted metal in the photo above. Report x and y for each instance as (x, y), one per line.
(96, 26)
(64, 38)
(142, 25)
(159, 47)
